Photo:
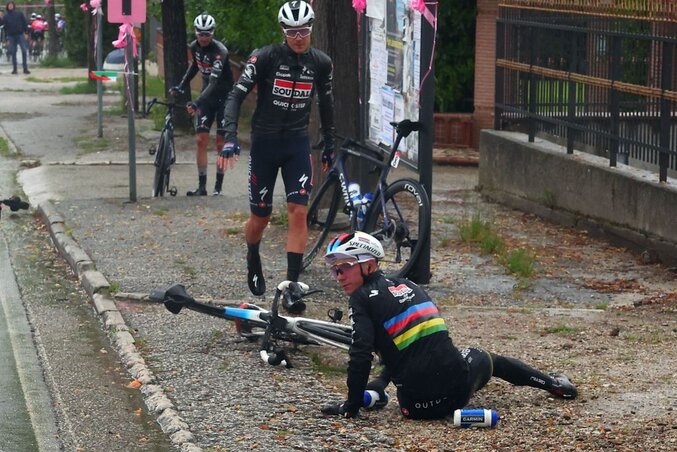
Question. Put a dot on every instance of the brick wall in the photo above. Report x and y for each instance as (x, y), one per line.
(485, 66)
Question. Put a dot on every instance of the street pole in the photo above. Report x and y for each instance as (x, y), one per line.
(130, 84)
(99, 67)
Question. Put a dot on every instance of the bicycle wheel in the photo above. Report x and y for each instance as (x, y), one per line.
(321, 216)
(159, 183)
(407, 211)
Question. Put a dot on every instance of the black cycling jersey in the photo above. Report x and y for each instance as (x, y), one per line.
(398, 320)
(213, 64)
(286, 84)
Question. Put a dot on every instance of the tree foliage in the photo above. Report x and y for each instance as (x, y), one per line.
(455, 56)
(243, 25)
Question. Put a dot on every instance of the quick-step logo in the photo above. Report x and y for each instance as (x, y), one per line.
(284, 88)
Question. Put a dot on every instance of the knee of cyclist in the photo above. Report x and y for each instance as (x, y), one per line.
(202, 140)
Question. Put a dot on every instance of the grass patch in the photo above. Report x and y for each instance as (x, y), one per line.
(187, 270)
(279, 218)
(448, 219)
(88, 144)
(563, 330)
(161, 212)
(603, 306)
(114, 287)
(56, 80)
(79, 88)
(52, 61)
(324, 367)
(4, 147)
(520, 262)
(233, 230)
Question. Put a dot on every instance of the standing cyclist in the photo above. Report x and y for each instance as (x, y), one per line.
(287, 76)
(210, 58)
(398, 320)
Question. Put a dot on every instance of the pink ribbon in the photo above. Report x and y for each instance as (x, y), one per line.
(420, 6)
(359, 5)
(83, 7)
(126, 30)
(96, 7)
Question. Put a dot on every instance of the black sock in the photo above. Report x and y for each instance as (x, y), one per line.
(253, 248)
(219, 182)
(294, 265)
(520, 374)
(202, 178)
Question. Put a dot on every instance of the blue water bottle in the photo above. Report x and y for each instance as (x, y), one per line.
(355, 196)
(479, 417)
(364, 206)
(372, 399)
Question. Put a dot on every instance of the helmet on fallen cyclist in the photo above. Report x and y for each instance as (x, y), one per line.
(204, 22)
(296, 14)
(358, 246)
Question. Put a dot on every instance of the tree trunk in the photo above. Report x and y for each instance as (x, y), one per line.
(51, 43)
(335, 32)
(175, 55)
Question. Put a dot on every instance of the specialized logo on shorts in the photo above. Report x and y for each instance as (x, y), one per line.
(400, 291)
(285, 88)
(303, 179)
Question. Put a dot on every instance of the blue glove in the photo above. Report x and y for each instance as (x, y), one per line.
(338, 409)
(230, 149)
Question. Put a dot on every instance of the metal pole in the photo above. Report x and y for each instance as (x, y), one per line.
(421, 272)
(130, 84)
(99, 67)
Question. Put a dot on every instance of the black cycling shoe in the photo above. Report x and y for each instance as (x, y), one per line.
(200, 191)
(255, 280)
(563, 387)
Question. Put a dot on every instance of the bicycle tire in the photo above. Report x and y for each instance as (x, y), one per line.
(159, 178)
(321, 216)
(408, 210)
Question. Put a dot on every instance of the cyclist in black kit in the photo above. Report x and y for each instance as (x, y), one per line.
(287, 75)
(397, 319)
(210, 58)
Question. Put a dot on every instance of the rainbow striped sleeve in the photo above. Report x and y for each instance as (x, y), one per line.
(416, 322)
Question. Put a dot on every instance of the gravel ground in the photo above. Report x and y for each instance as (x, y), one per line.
(596, 312)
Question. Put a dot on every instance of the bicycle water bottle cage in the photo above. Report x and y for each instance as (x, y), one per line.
(335, 314)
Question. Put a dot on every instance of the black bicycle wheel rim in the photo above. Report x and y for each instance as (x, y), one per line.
(159, 179)
(408, 211)
(321, 215)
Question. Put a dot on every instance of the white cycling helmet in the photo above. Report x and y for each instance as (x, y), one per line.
(359, 245)
(204, 22)
(296, 14)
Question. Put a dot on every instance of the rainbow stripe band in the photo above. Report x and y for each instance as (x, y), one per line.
(415, 323)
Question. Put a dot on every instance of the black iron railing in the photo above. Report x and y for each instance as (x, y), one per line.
(592, 80)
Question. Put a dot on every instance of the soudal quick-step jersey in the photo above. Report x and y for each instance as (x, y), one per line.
(287, 82)
(214, 66)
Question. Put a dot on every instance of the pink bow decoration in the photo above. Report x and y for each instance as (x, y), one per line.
(359, 5)
(420, 6)
(126, 30)
(83, 7)
(96, 7)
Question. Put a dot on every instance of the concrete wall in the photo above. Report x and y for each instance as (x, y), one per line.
(625, 204)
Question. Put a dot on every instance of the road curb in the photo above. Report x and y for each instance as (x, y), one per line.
(98, 288)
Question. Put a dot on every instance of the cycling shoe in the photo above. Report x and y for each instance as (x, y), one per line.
(563, 387)
(200, 191)
(255, 279)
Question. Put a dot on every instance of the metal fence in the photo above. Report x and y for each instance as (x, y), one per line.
(595, 75)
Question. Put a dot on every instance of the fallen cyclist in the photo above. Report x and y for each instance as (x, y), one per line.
(398, 320)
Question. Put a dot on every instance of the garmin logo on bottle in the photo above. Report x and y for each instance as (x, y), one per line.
(286, 88)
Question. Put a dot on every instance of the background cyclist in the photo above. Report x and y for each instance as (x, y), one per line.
(398, 320)
(38, 27)
(16, 28)
(210, 58)
(287, 76)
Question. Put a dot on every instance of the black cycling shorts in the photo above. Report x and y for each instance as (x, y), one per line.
(291, 154)
(480, 369)
(206, 111)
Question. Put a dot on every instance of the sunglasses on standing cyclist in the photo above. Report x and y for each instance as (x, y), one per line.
(204, 34)
(302, 32)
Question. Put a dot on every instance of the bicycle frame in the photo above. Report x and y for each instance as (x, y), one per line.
(162, 161)
(299, 330)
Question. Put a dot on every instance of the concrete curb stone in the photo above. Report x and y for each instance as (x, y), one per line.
(98, 288)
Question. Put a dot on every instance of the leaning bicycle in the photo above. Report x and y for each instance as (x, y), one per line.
(269, 326)
(398, 216)
(164, 151)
